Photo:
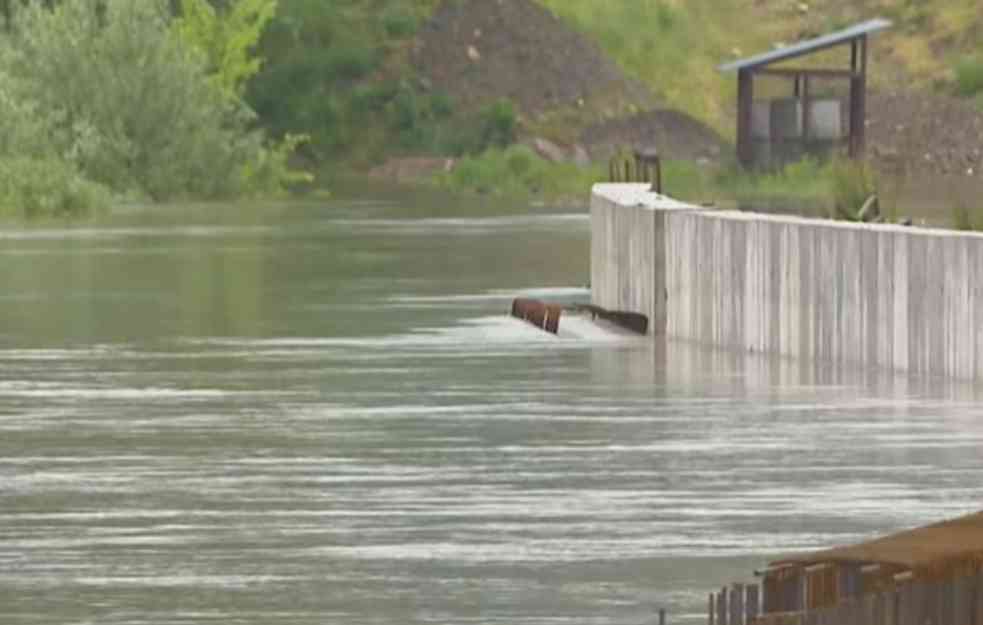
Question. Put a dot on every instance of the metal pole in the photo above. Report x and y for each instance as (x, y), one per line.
(806, 108)
(745, 104)
(862, 100)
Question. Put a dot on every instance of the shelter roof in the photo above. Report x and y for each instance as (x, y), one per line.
(803, 48)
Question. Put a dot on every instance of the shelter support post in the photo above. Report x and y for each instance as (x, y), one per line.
(745, 105)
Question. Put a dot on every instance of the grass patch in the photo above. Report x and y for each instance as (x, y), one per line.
(851, 185)
(969, 76)
(674, 47)
(962, 218)
(807, 179)
(518, 172)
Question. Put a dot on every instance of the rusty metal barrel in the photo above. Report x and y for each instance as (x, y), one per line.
(542, 315)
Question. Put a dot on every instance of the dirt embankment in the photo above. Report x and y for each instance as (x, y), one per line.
(923, 133)
(675, 134)
(480, 50)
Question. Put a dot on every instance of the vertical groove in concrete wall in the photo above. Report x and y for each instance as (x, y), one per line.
(900, 298)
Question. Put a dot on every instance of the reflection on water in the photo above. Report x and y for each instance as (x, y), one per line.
(318, 414)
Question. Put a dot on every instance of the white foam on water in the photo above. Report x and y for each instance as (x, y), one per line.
(581, 328)
(468, 334)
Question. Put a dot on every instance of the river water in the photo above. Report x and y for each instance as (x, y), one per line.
(319, 413)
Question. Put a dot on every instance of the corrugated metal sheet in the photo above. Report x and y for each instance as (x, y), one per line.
(805, 47)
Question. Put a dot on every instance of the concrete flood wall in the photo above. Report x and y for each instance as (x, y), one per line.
(907, 299)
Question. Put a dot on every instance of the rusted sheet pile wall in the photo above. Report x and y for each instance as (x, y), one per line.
(908, 299)
(956, 601)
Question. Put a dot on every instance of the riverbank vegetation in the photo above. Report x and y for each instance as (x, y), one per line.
(517, 171)
(118, 100)
(170, 99)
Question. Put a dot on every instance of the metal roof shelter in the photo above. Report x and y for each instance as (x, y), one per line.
(804, 124)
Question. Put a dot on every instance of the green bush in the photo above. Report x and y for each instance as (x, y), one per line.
(492, 126)
(126, 101)
(349, 63)
(518, 172)
(497, 122)
(969, 76)
(400, 23)
(962, 217)
(851, 185)
(322, 58)
(47, 187)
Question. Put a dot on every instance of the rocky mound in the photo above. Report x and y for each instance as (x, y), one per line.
(925, 133)
(675, 134)
(481, 50)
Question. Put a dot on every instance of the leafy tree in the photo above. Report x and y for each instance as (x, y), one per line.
(116, 96)
(226, 37)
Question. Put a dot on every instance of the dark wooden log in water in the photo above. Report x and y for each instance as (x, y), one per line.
(635, 322)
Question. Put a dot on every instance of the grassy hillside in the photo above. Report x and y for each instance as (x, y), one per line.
(341, 71)
(338, 68)
(673, 46)
(676, 45)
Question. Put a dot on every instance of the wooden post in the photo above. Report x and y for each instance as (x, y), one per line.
(662, 616)
(753, 602)
(976, 601)
(745, 118)
(907, 604)
(806, 108)
(947, 602)
(722, 607)
(737, 604)
(961, 613)
(862, 100)
(710, 611)
(879, 609)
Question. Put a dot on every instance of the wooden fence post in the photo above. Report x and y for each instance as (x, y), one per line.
(947, 602)
(662, 616)
(960, 605)
(737, 605)
(712, 607)
(752, 608)
(878, 610)
(905, 605)
(722, 607)
(976, 598)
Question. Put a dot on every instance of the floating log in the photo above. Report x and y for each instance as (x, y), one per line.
(635, 322)
(547, 316)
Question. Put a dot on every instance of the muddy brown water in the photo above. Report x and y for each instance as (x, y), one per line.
(320, 413)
